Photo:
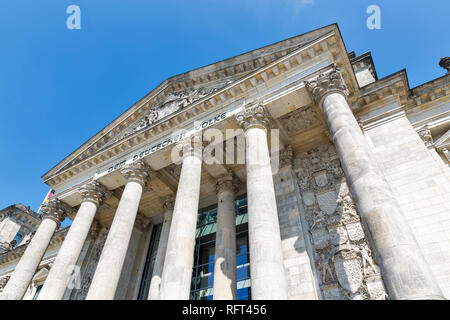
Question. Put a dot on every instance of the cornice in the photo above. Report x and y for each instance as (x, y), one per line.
(17, 252)
(396, 86)
(328, 42)
(30, 218)
(86, 153)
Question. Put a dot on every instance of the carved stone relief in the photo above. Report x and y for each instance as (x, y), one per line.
(172, 103)
(426, 136)
(3, 282)
(91, 265)
(342, 254)
(299, 119)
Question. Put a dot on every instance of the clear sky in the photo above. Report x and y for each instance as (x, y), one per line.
(58, 87)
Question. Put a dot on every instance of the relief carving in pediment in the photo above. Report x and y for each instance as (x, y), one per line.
(171, 103)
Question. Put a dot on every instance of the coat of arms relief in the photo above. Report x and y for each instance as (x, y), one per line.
(344, 262)
(91, 264)
(171, 103)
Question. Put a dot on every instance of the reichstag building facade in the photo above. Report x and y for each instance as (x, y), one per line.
(349, 198)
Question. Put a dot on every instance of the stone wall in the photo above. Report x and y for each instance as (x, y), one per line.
(300, 278)
(422, 186)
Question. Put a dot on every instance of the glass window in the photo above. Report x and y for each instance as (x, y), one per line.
(149, 262)
(203, 271)
(18, 237)
(38, 290)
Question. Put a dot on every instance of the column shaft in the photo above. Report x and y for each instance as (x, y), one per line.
(109, 268)
(53, 213)
(25, 269)
(266, 258)
(57, 280)
(179, 261)
(225, 253)
(155, 283)
(405, 271)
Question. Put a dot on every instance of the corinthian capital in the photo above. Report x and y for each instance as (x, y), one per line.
(226, 184)
(94, 192)
(325, 84)
(137, 172)
(253, 117)
(191, 146)
(55, 210)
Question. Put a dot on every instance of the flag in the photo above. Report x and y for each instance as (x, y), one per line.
(50, 193)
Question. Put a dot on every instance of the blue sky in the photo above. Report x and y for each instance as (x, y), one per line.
(58, 87)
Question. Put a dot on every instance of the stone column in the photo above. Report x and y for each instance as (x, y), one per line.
(179, 261)
(266, 257)
(225, 254)
(109, 267)
(155, 283)
(405, 272)
(92, 195)
(52, 214)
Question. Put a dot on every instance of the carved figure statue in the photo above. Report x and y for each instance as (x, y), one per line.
(318, 218)
(325, 268)
(366, 257)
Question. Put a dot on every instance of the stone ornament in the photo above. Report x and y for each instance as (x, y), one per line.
(55, 210)
(445, 64)
(3, 282)
(170, 104)
(91, 264)
(349, 273)
(327, 83)
(286, 157)
(253, 117)
(142, 222)
(226, 183)
(191, 146)
(137, 171)
(94, 192)
(168, 202)
(425, 135)
(343, 258)
(300, 119)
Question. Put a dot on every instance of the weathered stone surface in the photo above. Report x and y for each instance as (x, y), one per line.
(224, 286)
(177, 272)
(405, 271)
(267, 269)
(155, 283)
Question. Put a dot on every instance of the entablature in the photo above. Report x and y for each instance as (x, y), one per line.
(286, 72)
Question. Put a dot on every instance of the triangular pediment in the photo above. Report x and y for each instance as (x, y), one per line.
(179, 92)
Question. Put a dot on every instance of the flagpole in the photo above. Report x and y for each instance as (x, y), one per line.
(49, 191)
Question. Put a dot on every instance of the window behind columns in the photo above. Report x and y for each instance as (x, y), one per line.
(38, 290)
(149, 262)
(203, 271)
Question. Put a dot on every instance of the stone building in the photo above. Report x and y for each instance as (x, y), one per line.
(353, 204)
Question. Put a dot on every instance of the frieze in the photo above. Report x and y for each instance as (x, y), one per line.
(300, 119)
(169, 104)
(172, 103)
